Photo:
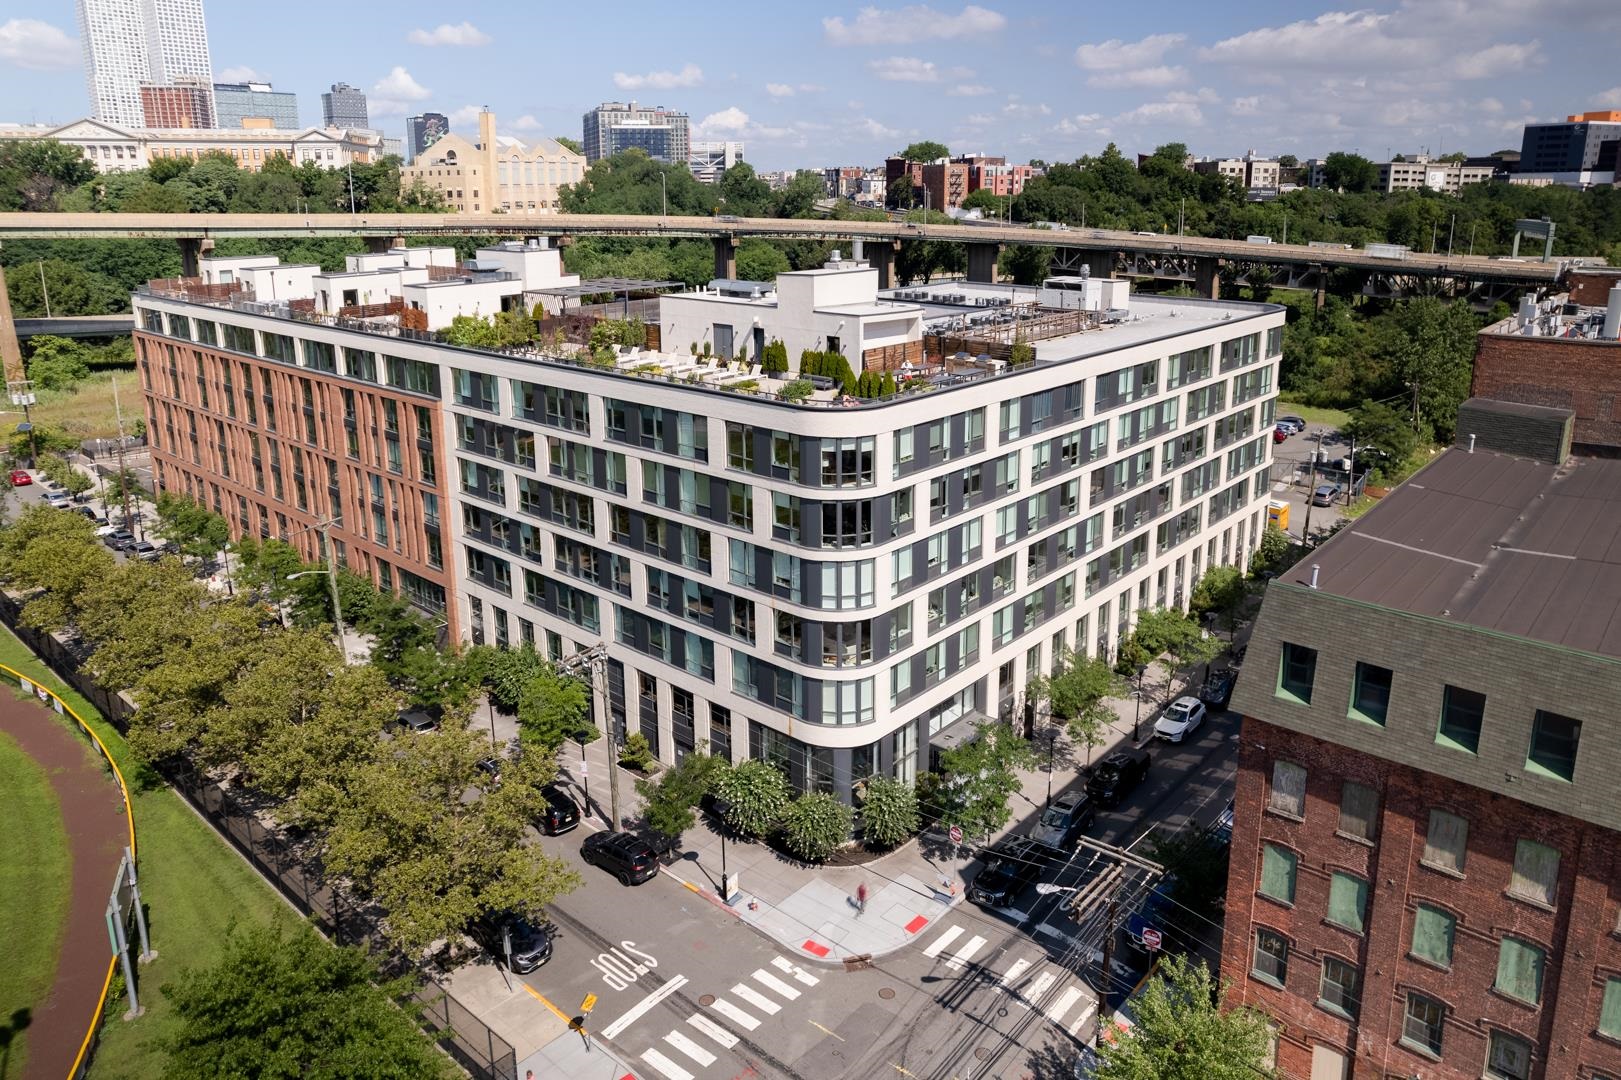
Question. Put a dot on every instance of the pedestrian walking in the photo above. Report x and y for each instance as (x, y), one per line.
(861, 898)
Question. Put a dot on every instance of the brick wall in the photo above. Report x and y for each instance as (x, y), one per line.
(1581, 948)
(1561, 373)
(1591, 288)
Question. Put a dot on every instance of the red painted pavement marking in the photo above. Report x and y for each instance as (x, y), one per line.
(918, 922)
(814, 949)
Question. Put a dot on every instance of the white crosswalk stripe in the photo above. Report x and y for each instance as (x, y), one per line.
(966, 953)
(805, 978)
(1039, 987)
(666, 1066)
(713, 1030)
(766, 979)
(1066, 1001)
(757, 999)
(690, 1048)
(734, 1014)
(938, 944)
(1080, 1021)
(1019, 967)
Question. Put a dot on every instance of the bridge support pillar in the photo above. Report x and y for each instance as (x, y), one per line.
(11, 354)
(982, 261)
(1207, 278)
(725, 257)
(193, 248)
(880, 256)
(380, 244)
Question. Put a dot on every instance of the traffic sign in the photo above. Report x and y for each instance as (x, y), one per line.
(1151, 938)
(590, 1001)
(956, 834)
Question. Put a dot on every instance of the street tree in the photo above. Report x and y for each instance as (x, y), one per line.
(281, 1004)
(410, 836)
(1221, 593)
(263, 568)
(554, 708)
(193, 528)
(1168, 632)
(1181, 1031)
(56, 558)
(668, 802)
(755, 793)
(1384, 430)
(981, 776)
(507, 673)
(815, 825)
(1077, 696)
(135, 612)
(1272, 554)
(56, 363)
(889, 812)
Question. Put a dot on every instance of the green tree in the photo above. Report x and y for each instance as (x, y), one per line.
(73, 290)
(471, 331)
(507, 673)
(1222, 592)
(569, 144)
(668, 802)
(1025, 264)
(1170, 632)
(1349, 172)
(1437, 358)
(35, 173)
(1272, 553)
(1077, 696)
(760, 260)
(899, 194)
(815, 825)
(1182, 1031)
(799, 197)
(926, 150)
(281, 1004)
(774, 361)
(193, 528)
(56, 363)
(981, 776)
(637, 753)
(55, 558)
(554, 708)
(1383, 429)
(755, 793)
(797, 391)
(889, 812)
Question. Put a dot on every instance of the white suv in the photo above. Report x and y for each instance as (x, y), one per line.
(1180, 719)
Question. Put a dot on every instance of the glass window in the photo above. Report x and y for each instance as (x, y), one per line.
(1370, 694)
(1359, 810)
(1278, 873)
(1536, 872)
(1347, 901)
(1508, 1057)
(1609, 1017)
(1461, 714)
(1271, 963)
(1446, 844)
(1553, 746)
(1296, 672)
(1288, 789)
(1433, 931)
(1519, 970)
(1338, 990)
(1421, 1027)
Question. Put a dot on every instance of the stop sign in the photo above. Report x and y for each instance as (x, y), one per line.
(1151, 938)
(956, 834)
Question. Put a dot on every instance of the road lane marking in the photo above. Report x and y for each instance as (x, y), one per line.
(1080, 1021)
(966, 953)
(765, 978)
(825, 1031)
(782, 963)
(757, 999)
(1066, 1001)
(939, 943)
(1043, 983)
(641, 1008)
(712, 1029)
(666, 1066)
(734, 1014)
(691, 1049)
(1019, 967)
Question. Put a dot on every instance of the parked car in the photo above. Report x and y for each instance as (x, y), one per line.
(491, 768)
(90, 512)
(145, 549)
(1295, 424)
(416, 721)
(59, 499)
(561, 813)
(1062, 823)
(1114, 777)
(629, 858)
(1180, 719)
(119, 539)
(1280, 433)
(1008, 867)
(20, 478)
(530, 943)
(1217, 690)
(1325, 495)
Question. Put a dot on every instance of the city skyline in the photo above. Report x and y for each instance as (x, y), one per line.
(849, 85)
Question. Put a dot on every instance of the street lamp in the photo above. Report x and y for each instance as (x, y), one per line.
(331, 572)
(1135, 720)
(1052, 740)
(721, 807)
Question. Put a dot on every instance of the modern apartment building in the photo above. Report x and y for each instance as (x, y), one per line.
(1580, 150)
(614, 126)
(835, 586)
(255, 105)
(1249, 171)
(114, 149)
(709, 160)
(1418, 172)
(423, 131)
(344, 107)
(130, 42)
(995, 175)
(496, 174)
(187, 102)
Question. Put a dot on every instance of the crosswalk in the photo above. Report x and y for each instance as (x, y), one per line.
(762, 994)
(1066, 1003)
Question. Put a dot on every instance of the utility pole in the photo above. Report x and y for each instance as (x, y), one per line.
(1350, 481)
(123, 473)
(1451, 230)
(595, 660)
(325, 529)
(1110, 929)
(351, 169)
(44, 289)
(1311, 491)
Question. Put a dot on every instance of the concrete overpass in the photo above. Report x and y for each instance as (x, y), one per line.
(77, 326)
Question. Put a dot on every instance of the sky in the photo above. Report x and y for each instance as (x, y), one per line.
(828, 84)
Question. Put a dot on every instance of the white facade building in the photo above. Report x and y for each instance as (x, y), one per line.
(709, 160)
(841, 590)
(115, 149)
(128, 42)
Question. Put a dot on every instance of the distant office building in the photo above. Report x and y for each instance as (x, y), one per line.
(1580, 151)
(344, 107)
(114, 149)
(1249, 172)
(497, 173)
(130, 42)
(254, 105)
(994, 174)
(188, 102)
(423, 131)
(393, 147)
(708, 160)
(614, 126)
(1417, 173)
(843, 181)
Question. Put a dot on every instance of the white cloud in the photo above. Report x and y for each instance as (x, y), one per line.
(1204, 95)
(527, 123)
(728, 122)
(690, 75)
(1492, 106)
(1246, 106)
(1492, 61)
(979, 119)
(37, 46)
(1117, 55)
(872, 129)
(240, 74)
(1078, 125)
(875, 26)
(466, 117)
(1143, 77)
(393, 93)
(911, 69)
(1610, 98)
(464, 33)
(969, 90)
(1172, 113)
(1015, 108)
(777, 89)
(811, 88)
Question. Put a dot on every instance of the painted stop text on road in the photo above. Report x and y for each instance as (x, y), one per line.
(618, 969)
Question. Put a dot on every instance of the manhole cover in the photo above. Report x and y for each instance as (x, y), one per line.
(706, 999)
(983, 1053)
(886, 993)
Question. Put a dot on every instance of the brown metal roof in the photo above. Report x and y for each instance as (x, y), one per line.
(1503, 543)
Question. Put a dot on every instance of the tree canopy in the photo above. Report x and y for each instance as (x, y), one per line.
(1180, 1031)
(925, 150)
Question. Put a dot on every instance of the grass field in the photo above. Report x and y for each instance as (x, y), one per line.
(36, 871)
(87, 412)
(1334, 417)
(194, 886)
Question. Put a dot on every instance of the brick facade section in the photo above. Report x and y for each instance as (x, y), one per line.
(1583, 376)
(1579, 935)
(1591, 288)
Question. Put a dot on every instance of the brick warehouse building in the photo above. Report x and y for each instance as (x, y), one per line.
(1426, 873)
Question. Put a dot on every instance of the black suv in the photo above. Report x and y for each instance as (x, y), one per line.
(1113, 778)
(1009, 867)
(531, 944)
(629, 858)
(561, 813)
(1065, 820)
(1218, 688)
